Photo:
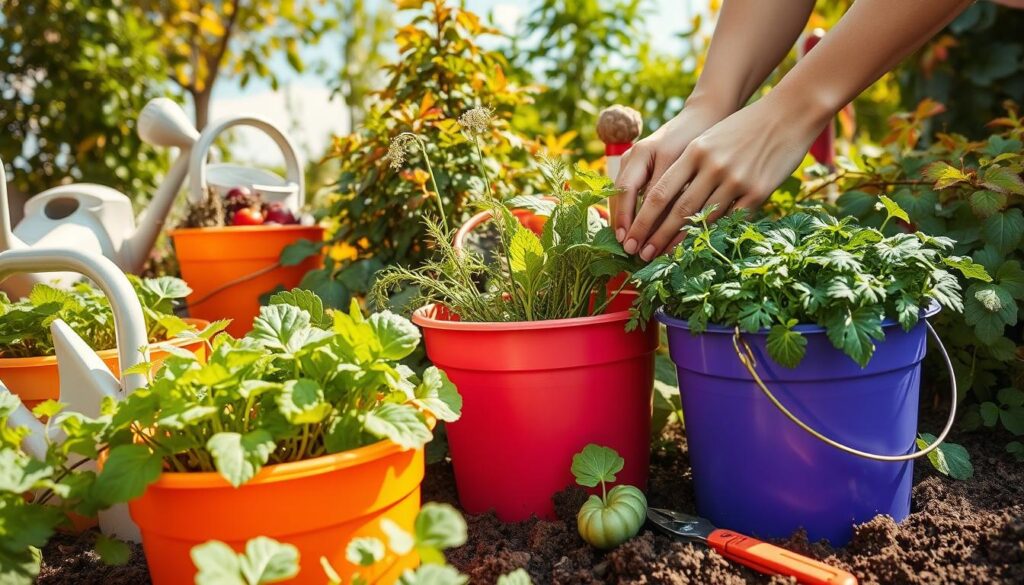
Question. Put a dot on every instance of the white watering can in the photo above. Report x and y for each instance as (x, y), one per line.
(99, 220)
(84, 378)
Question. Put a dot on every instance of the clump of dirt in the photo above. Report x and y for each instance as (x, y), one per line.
(70, 559)
(958, 532)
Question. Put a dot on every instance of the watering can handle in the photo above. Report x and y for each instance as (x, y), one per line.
(746, 357)
(197, 166)
(129, 321)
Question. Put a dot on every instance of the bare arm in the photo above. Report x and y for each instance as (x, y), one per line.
(750, 39)
(738, 162)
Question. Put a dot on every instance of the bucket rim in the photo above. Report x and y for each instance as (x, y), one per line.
(929, 311)
(421, 317)
(237, 229)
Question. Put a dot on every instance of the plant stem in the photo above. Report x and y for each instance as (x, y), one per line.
(433, 181)
(480, 165)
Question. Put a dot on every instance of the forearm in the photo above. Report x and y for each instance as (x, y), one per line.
(750, 39)
(870, 39)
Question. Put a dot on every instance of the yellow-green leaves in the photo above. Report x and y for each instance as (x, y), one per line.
(785, 345)
(949, 458)
(615, 516)
(596, 464)
(264, 561)
(239, 457)
(438, 527)
(126, 473)
(302, 402)
(400, 423)
(437, 394)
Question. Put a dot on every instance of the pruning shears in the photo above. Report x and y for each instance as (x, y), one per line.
(760, 556)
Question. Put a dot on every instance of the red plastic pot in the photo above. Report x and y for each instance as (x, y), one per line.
(534, 394)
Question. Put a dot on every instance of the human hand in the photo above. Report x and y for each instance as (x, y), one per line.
(644, 164)
(735, 164)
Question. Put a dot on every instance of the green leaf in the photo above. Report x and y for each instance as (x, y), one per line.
(302, 402)
(1010, 276)
(400, 423)
(989, 413)
(989, 308)
(853, 332)
(985, 203)
(949, 458)
(398, 336)
(268, 561)
(1013, 419)
(437, 394)
(517, 577)
(438, 527)
(944, 175)
(364, 551)
(112, 551)
(240, 457)
(596, 464)
(1010, 397)
(167, 287)
(282, 327)
(126, 473)
(526, 253)
(1002, 180)
(1004, 230)
(217, 563)
(308, 302)
(432, 575)
(968, 268)
(399, 541)
(786, 346)
(295, 253)
(605, 241)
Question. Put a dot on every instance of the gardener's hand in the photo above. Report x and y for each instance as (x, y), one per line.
(735, 164)
(646, 162)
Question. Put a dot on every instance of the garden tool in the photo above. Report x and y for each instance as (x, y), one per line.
(99, 220)
(618, 127)
(84, 379)
(760, 556)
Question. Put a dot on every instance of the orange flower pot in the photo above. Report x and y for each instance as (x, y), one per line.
(318, 505)
(36, 379)
(229, 268)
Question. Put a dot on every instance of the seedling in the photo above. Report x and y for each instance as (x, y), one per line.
(608, 520)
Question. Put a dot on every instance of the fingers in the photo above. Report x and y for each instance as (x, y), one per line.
(633, 176)
(690, 202)
(657, 201)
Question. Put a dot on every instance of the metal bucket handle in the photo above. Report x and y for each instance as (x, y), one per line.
(746, 357)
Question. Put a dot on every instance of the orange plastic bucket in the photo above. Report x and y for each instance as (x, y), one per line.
(535, 393)
(229, 268)
(35, 379)
(318, 505)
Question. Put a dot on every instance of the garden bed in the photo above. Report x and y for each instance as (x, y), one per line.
(958, 532)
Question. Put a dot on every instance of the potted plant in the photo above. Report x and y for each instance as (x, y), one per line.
(309, 430)
(798, 344)
(235, 248)
(28, 366)
(535, 341)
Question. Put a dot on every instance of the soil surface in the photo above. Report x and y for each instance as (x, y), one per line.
(958, 532)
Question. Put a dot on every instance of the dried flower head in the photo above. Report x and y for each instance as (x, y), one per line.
(476, 121)
(399, 147)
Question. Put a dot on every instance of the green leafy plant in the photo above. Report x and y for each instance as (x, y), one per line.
(25, 324)
(608, 520)
(265, 560)
(562, 273)
(37, 495)
(805, 268)
(973, 192)
(304, 382)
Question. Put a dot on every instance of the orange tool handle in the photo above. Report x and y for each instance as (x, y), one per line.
(774, 560)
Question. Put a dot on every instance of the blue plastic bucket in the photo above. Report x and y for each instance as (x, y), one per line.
(756, 472)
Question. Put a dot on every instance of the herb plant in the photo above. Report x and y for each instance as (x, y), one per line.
(25, 324)
(303, 383)
(806, 268)
(562, 273)
(608, 520)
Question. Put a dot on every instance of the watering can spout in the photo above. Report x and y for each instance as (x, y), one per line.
(162, 122)
(8, 241)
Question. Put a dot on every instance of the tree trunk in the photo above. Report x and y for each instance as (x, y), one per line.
(201, 100)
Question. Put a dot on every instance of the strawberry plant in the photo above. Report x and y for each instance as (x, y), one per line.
(304, 383)
(562, 273)
(806, 268)
(36, 496)
(608, 520)
(25, 324)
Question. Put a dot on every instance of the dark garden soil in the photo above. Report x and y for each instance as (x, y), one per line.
(958, 532)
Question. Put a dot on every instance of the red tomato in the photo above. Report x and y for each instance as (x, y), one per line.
(247, 216)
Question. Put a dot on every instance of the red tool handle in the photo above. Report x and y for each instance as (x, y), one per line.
(774, 560)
